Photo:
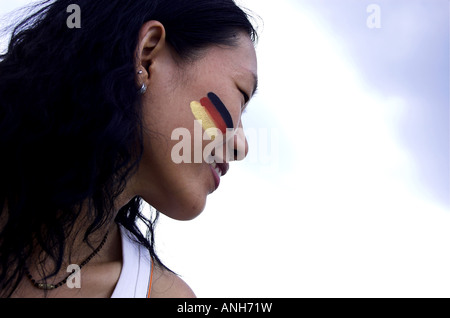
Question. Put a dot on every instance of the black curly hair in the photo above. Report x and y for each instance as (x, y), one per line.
(71, 126)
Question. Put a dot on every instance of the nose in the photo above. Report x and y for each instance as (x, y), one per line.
(240, 145)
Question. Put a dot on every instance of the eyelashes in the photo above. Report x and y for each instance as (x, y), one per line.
(246, 98)
(212, 113)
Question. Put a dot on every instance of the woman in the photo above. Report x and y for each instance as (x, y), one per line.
(91, 93)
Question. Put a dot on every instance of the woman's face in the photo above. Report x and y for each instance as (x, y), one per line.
(175, 95)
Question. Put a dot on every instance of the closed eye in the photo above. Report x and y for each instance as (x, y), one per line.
(246, 98)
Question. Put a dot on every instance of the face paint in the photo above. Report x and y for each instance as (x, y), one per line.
(212, 113)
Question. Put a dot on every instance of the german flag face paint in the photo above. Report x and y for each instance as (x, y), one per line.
(212, 113)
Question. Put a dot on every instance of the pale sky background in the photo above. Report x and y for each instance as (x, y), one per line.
(346, 190)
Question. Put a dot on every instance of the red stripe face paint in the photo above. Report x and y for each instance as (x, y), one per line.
(214, 114)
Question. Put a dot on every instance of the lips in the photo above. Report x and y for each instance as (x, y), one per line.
(219, 170)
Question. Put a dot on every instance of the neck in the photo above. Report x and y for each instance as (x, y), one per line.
(81, 257)
(78, 246)
(77, 249)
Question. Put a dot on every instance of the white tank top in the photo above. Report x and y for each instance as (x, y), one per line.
(137, 268)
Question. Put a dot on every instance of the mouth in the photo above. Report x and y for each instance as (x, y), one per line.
(219, 170)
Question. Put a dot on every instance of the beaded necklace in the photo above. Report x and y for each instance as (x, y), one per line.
(45, 286)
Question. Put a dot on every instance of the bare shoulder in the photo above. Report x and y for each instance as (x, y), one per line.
(168, 285)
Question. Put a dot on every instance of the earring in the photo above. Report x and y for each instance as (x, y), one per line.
(143, 89)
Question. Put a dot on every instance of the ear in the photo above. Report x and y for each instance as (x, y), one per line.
(152, 40)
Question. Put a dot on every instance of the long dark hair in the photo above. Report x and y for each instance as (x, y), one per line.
(70, 117)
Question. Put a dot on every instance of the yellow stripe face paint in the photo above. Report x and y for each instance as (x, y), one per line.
(202, 116)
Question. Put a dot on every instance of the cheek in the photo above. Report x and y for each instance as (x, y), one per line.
(162, 115)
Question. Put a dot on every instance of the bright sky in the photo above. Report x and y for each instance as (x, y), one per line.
(345, 192)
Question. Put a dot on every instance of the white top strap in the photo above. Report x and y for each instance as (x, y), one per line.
(135, 277)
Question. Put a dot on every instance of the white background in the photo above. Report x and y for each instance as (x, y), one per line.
(345, 192)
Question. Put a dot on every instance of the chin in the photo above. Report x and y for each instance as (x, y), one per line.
(182, 209)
